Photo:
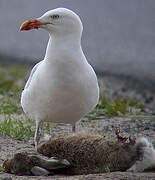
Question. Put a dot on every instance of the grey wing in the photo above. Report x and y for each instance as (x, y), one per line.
(31, 75)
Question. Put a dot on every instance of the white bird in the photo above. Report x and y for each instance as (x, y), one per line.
(63, 87)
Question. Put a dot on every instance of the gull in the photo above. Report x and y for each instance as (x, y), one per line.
(63, 87)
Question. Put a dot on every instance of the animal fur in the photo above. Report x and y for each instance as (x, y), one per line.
(91, 153)
(147, 160)
(86, 153)
(33, 164)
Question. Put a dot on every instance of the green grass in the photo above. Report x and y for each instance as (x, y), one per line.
(21, 129)
(136, 104)
(97, 170)
(12, 80)
(107, 170)
(9, 105)
(1, 169)
(115, 107)
(18, 129)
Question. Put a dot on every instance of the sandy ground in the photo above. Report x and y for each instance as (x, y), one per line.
(9, 146)
(108, 176)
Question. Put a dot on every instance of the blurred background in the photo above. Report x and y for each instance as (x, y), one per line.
(118, 39)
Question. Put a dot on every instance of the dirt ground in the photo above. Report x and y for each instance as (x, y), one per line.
(108, 176)
(9, 146)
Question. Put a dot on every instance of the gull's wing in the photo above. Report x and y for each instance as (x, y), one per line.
(31, 75)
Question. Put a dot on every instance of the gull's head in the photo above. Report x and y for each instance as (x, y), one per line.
(57, 21)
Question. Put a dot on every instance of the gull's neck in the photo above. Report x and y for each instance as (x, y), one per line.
(58, 45)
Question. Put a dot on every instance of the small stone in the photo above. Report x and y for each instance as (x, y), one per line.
(10, 93)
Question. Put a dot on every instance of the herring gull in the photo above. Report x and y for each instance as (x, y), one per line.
(63, 87)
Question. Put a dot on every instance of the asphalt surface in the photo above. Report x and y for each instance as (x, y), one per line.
(118, 36)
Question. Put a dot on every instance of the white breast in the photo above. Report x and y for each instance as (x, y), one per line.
(61, 94)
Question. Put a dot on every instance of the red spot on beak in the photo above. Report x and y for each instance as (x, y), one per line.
(31, 24)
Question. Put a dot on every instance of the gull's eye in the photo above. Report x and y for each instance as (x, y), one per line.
(55, 16)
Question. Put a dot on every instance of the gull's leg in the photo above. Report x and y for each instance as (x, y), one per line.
(37, 134)
(73, 128)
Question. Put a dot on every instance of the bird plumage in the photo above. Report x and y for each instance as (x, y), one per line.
(63, 87)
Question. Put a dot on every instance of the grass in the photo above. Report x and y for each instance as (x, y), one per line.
(9, 105)
(20, 129)
(1, 169)
(12, 80)
(115, 107)
(15, 128)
